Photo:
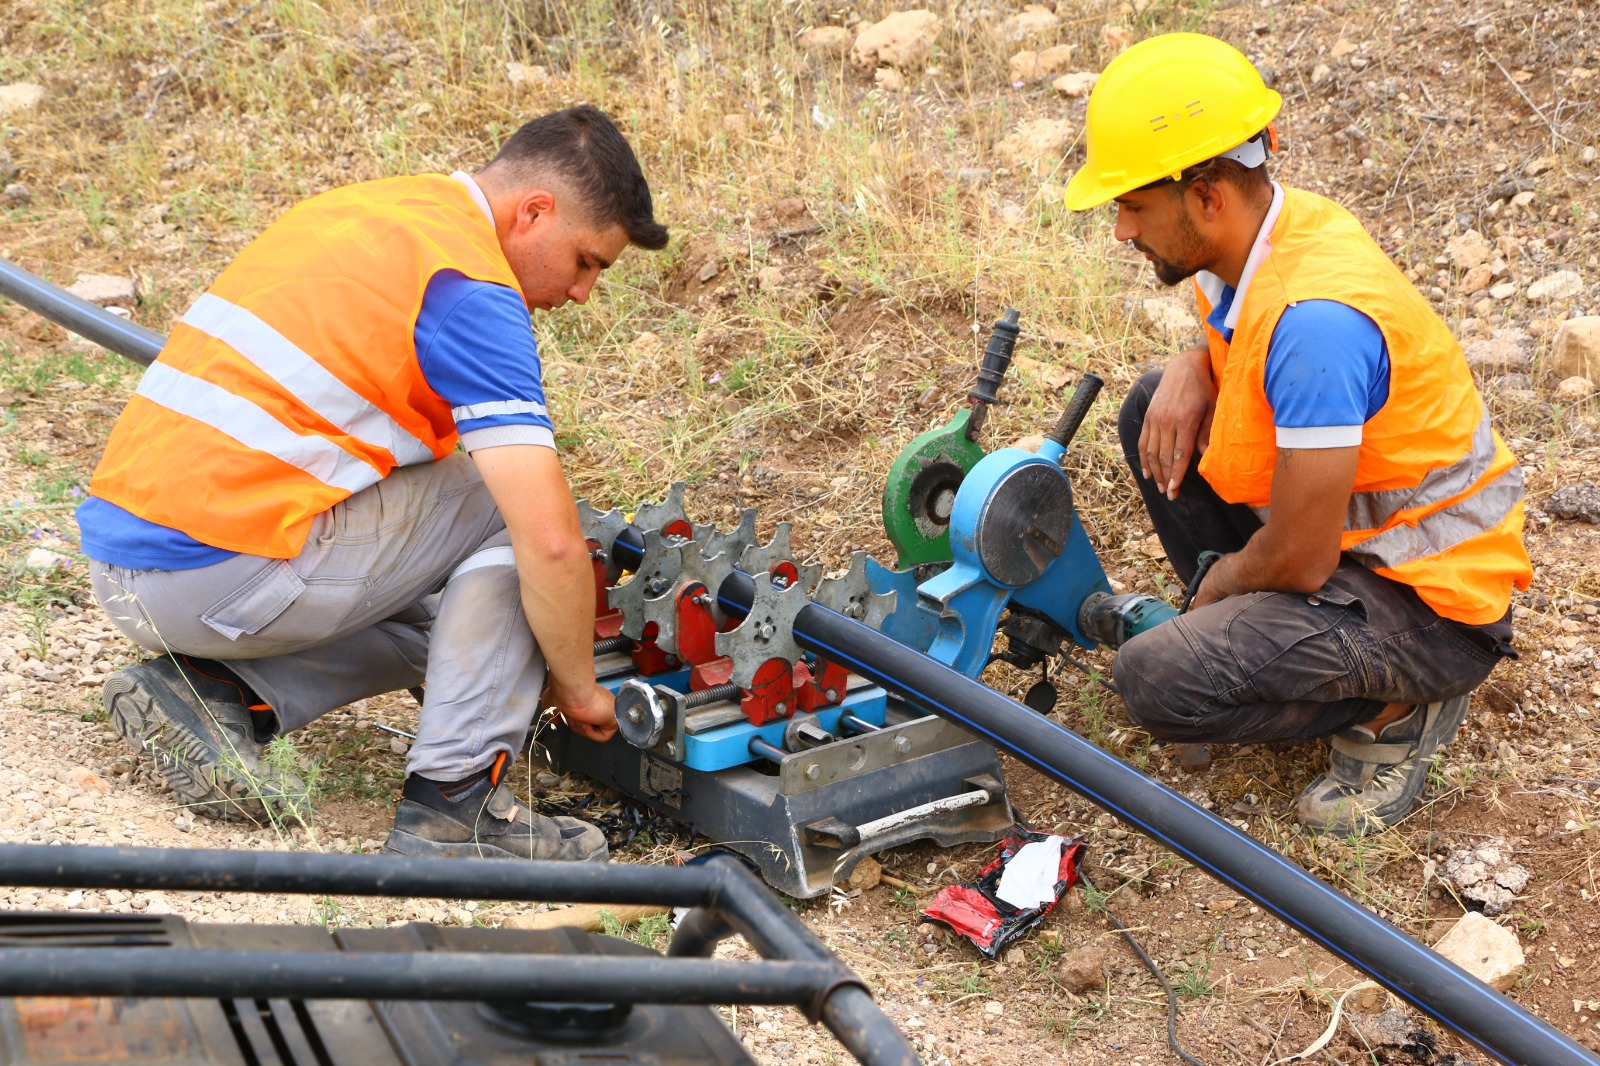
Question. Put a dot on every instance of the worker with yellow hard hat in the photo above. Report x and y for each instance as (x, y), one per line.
(1326, 440)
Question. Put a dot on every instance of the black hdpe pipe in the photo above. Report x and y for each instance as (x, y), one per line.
(1427, 980)
(79, 315)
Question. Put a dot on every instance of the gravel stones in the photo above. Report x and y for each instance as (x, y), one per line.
(1040, 141)
(1485, 875)
(1506, 350)
(1488, 951)
(20, 96)
(105, 290)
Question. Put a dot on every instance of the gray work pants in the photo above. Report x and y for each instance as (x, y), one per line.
(409, 580)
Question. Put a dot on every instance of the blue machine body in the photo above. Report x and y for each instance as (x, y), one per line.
(968, 599)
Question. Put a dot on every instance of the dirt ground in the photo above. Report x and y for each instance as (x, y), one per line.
(1427, 119)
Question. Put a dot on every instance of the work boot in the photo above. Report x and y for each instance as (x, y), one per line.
(195, 717)
(480, 818)
(1373, 781)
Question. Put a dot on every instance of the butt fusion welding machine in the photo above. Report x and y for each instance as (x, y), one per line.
(780, 752)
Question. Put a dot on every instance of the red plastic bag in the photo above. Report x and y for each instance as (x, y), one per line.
(974, 909)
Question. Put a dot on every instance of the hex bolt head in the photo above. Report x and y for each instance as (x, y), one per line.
(831, 694)
(672, 749)
(813, 771)
(902, 744)
(782, 707)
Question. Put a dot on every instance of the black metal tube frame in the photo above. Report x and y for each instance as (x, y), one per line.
(1493, 1022)
(725, 897)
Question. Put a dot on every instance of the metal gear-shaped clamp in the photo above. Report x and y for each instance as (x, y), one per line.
(655, 578)
(760, 559)
(602, 527)
(713, 543)
(852, 596)
(668, 516)
(766, 633)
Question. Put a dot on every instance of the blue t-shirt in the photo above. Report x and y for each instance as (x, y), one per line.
(1327, 371)
(477, 351)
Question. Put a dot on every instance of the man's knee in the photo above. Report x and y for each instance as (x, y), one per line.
(1154, 673)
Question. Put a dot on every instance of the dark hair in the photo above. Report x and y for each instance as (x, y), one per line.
(581, 146)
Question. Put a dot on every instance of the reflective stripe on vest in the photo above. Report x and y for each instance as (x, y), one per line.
(1434, 532)
(305, 379)
(254, 428)
(1441, 530)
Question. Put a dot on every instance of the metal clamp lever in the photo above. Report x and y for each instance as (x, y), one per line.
(832, 833)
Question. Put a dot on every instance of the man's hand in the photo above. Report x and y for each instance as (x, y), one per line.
(1297, 549)
(592, 713)
(1177, 425)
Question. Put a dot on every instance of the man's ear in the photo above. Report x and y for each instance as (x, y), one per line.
(1211, 198)
(531, 206)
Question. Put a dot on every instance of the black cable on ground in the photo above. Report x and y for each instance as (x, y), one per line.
(1149, 964)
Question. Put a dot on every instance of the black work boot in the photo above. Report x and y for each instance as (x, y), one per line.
(196, 718)
(480, 818)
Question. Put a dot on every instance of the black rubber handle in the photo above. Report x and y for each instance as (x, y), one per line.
(1083, 398)
(996, 358)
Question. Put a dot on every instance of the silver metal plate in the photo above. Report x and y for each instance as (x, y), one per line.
(870, 751)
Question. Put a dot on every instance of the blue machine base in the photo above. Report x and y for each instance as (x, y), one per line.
(729, 745)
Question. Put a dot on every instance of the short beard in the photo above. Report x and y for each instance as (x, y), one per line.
(1191, 248)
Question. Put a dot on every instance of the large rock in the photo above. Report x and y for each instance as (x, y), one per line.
(106, 290)
(1468, 250)
(1557, 286)
(1170, 317)
(902, 40)
(1031, 22)
(1506, 350)
(1580, 501)
(1083, 970)
(1576, 351)
(1042, 140)
(829, 40)
(1574, 389)
(1078, 83)
(1036, 66)
(19, 96)
(1487, 951)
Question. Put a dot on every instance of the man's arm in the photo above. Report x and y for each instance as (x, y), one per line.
(1298, 547)
(556, 576)
(1177, 424)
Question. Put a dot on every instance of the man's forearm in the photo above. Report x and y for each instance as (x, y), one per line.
(558, 600)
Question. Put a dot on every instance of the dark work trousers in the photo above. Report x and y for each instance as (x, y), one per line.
(1280, 666)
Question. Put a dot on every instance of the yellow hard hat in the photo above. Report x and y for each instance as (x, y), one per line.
(1163, 105)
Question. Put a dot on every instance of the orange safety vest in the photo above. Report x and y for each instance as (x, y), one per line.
(1438, 495)
(293, 382)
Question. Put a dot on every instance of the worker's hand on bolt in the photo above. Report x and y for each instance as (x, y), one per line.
(590, 712)
(1177, 424)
